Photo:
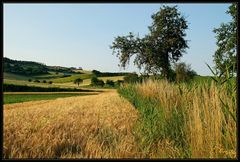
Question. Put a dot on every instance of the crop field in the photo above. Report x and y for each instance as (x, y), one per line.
(16, 98)
(72, 78)
(73, 127)
(142, 122)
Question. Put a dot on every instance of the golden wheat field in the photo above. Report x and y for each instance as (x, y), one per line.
(97, 126)
(108, 126)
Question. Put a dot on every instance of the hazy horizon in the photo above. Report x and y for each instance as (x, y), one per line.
(79, 35)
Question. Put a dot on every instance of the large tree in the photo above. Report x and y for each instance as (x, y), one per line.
(226, 35)
(164, 44)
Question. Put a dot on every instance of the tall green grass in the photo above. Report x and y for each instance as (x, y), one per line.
(182, 121)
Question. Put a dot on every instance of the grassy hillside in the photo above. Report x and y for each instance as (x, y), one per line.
(30, 68)
(24, 67)
(12, 76)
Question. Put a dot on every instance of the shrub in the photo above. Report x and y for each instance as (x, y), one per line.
(131, 78)
(119, 82)
(97, 82)
(50, 82)
(184, 72)
(44, 81)
(29, 80)
(110, 83)
(36, 81)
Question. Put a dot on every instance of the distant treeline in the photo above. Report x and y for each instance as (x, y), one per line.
(23, 88)
(30, 68)
(108, 74)
(24, 67)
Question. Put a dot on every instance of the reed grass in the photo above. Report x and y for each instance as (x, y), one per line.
(198, 121)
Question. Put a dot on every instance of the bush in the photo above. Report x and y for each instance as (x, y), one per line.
(110, 83)
(131, 78)
(183, 72)
(97, 82)
(50, 82)
(44, 81)
(29, 80)
(36, 81)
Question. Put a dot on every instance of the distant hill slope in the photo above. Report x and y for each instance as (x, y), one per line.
(29, 68)
(24, 67)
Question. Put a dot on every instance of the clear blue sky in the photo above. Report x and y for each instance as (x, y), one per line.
(80, 34)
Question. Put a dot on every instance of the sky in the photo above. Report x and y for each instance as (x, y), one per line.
(80, 35)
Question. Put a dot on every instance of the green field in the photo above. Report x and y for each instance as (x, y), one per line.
(72, 78)
(16, 98)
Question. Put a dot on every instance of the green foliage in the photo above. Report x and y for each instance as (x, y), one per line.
(44, 81)
(131, 78)
(183, 72)
(110, 83)
(164, 44)
(32, 68)
(29, 80)
(97, 82)
(50, 82)
(107, 74)
(225, 79)
(152, 125)
(226, 36)
(37, 81)
(119, 83)
(24, 67)
(78, 81)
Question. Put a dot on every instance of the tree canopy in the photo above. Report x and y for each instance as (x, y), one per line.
(78, 81)
(226, 35)
(155, 52)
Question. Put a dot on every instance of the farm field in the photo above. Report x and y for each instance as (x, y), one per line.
(141, 122)
(73, 127)
(9, 98)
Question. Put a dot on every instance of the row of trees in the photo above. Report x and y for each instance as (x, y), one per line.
(158, 51)
(97, 82)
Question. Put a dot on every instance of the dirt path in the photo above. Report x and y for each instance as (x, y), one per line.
(50, 128)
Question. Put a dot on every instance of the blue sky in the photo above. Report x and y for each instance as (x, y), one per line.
(80, 34)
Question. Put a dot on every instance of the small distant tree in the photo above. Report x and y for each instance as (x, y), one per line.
(78, 81)
(50, 82)
(44, 81)
(29, 80)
